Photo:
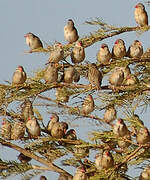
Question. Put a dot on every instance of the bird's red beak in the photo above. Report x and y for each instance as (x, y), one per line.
(25, 35)
(136, 6)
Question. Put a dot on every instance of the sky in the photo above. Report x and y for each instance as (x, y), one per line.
(47, 19)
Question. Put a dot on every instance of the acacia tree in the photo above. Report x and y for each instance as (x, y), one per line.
(45, 149)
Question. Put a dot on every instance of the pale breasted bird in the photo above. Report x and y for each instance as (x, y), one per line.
(135, 50)
(131, 79)
(88, 105)
(62, 94)
(95, 76)
(78, 53)
(33, 41)
(53, 119)
(80, 174)
(19, 76)
(6, 129)
(71, 74)
(17, 130)
(145, 174)
(33, 127)
(110, 114)
(143, 136)
(59, 130)
(51, 73)
(119, 49)
(116, 77)
(71, 135)
(140, 15)
(120, 129)
(56, 54)
(104, 55)
(70, 32)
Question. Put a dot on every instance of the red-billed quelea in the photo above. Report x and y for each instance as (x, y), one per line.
(110, 114)
(19, 76)
(53, 119)
(143, 136)
(140, 15)
(6, 129)
(33, 127)
(80, 174)
(78, 53)
(59, 130)
(71, 74)
(17, 130)
(70, 32)
(88, 105)
(119, 49)
(103, 55)
(94, 76)
(145, 174)
(51, 73)
(33, 41)
(135, 50)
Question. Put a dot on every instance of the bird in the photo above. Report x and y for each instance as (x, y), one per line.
(59, 129)
(126, 70)
(70, 32)
(131, 79)
(33, 41)
(143, 136)
(17, 130)
(23, 159)
(43, 178)
(104, 55)
(140, 15)
(120, 129)
(71, 74)
(135, 50)
(119, 49)
(145, 174)
(71, 135)
(110, 114)
(88, 105)
(78, 53)
(33, 127)
(94, 76)
(56, 54)
(53, 119)
(19, 76)
(6, 129)
(80, 174)
(51, 73)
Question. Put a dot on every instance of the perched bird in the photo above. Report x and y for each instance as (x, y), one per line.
(51, 73)
(119, 49)
(6, 129)
(70, 32)
(59, 130)
(78, 53)
(71, 74)
(116, 77)
(62, 94)
(88, 105)
(135, 50)
(94, 76)
(103, 55)
(19, 76)
(23, 158)
(71, 134)
(104, 160)
(33, 41)
(126, 70)
(145, 174)
(56, 54)
(143, 136)
(43, 178)
(120, 129)
(140, 15)
(17, 130)
(80, 174)
(110, 114)
(131, 80)
(53, 119)
(33, 127)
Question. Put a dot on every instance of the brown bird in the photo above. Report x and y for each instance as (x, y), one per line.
(33, 127)
(80, 174)
(119, 49)
(110, 114)
(71, 74)
(71, 134)
(33, 41)
(145, 174)
(126, 70)
(103, 55)
(78, 53)
(140, 15)
(70, 32)
(62, 95)
(17, 130)
(131, 80)
(53, 119)
(88, 105)
(135, 50)
(56, 54)
(19, 76)
(59, 130)
(143, 136)
(23, 159)
(120, 129)
(6, 129)
(43, 178)
(94, 76)
(51, 73)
